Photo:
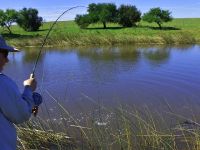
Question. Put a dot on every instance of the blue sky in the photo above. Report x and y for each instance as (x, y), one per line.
(50, 10)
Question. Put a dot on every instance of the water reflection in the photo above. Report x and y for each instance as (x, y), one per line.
(111, 75)
(106, 63)
(30, 55)
(110, 53)
(184, 47)
(157, 55)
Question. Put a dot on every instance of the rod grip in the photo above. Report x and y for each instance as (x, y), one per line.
(32, 75)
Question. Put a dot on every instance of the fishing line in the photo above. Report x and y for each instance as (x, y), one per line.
(47, 35)
(35, 108)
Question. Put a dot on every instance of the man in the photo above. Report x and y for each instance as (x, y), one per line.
(15, 107)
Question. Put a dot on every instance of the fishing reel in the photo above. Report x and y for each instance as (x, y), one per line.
(37, 98)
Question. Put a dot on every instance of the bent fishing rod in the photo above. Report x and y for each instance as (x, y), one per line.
(36, 95)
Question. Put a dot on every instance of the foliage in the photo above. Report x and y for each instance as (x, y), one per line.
(82, 21)
(102, 12)
(2, 17)
(7, 18)
(29, 20)
(158, 16)
(128, 15)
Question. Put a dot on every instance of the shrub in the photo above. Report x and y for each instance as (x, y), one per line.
(128, 15)
(29, 20)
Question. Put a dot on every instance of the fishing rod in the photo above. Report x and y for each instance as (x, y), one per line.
(37, 97)
(47, 35)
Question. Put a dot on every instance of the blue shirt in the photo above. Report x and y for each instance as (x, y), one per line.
(15, 108)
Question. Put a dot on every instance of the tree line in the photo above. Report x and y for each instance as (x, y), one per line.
(125, 15)
(27, 18)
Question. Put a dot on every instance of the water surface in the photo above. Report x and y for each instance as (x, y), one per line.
(82, 79)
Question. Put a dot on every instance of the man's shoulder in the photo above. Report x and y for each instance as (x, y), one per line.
(6, 81)
(4, 77)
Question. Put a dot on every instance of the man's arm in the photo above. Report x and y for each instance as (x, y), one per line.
(16, 107)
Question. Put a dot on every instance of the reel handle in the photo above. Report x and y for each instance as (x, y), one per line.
(35, 110)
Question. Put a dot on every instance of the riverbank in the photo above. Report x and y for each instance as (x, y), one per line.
(179, 31)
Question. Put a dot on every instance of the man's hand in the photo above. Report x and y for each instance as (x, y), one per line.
(31, 82)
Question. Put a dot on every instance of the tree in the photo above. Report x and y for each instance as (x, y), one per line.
(102, 12)
(128, 15)
(29, 20)
(158, 16)
(2, 18)
(7, 18)
(83, 21)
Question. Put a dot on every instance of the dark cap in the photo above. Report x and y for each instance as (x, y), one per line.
(5, 47)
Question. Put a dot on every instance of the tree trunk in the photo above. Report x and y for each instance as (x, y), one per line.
(104, 25)
(10, 32)
(159, 24)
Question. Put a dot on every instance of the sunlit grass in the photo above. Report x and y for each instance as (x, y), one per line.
(179, 31)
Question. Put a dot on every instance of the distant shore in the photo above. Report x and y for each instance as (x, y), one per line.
(177, 32)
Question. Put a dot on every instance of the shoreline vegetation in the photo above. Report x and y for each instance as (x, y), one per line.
(126, 127)
(67, 33)
(129, 129)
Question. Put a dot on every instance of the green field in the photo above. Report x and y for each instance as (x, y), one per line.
(179, 31)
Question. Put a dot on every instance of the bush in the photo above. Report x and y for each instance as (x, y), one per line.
(128, 15)
(29, 20)
(82, 21)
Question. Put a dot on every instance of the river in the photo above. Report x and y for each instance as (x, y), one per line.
(85, 80)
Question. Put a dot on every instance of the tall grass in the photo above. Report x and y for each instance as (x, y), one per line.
(128, 128)
(179, 31)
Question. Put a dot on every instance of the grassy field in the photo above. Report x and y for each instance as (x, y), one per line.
(179, 31)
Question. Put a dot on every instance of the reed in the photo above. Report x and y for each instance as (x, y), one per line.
(125, 127)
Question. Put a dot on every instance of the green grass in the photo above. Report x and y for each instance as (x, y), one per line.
(179, 31)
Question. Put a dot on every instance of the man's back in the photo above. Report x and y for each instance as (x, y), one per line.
(14, 108)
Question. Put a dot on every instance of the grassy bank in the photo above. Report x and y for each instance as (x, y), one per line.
(179, 31)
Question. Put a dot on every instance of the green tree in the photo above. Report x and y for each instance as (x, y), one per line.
(128, 15)
(158, 16)
(102, 12)
(7, 18)
(29, 20)
(82, 20)
(2, 18)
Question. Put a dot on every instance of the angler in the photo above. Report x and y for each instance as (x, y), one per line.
(15, 108)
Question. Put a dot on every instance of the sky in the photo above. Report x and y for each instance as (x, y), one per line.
(51, 9)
